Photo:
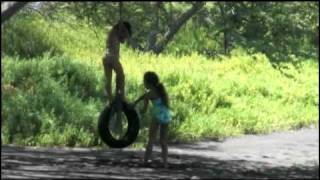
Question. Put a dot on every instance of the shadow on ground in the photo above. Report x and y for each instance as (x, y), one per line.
(19, 162)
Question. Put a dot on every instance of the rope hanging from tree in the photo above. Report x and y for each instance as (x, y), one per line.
(120, 11)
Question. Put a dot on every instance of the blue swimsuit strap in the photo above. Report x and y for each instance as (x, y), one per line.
(157, 102)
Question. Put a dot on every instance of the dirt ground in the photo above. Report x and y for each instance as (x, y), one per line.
(292, 154)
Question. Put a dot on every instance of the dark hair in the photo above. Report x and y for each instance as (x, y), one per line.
(153, 79)
(128, 26)
(125, 24)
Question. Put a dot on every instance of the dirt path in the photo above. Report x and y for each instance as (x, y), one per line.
(293, 154)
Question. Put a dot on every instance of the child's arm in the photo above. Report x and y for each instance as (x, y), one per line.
(146, 99)
(138, 100)
(145, 106)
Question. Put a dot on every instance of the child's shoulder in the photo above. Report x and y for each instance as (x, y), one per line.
(151, 95)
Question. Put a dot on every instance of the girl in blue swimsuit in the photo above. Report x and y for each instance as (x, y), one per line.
(160, 113)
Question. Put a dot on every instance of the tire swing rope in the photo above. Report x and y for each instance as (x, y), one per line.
(132, 130)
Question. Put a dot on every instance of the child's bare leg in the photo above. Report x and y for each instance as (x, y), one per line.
(164, 143)
(152, 136)
(108, 74)
(120, 78)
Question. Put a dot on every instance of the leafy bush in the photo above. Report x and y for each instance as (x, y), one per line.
(28, 37)
(44, 101)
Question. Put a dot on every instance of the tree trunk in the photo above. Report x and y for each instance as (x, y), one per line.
(225, 41)
(174, 28)
(317, 42)
(225, 32)
(152, 40)
(152, 37)
(8, 9)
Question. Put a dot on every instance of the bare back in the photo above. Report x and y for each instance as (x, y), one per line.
(113, 48)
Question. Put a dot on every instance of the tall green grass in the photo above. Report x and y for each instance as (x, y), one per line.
(54, 99)
(57, 100)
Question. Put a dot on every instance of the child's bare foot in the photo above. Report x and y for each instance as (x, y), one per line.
(109, 97)
(123, 99)
(165, 165)
(146, 163)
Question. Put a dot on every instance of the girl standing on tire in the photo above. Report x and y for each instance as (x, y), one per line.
(160, 114)
(111, 61)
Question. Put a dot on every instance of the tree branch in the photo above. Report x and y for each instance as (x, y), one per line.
(8, 9)
(174, 28)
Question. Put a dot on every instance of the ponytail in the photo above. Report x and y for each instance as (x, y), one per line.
(163, 94)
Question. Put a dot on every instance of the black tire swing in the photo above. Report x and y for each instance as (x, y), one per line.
(107, 114)
(132, 129)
